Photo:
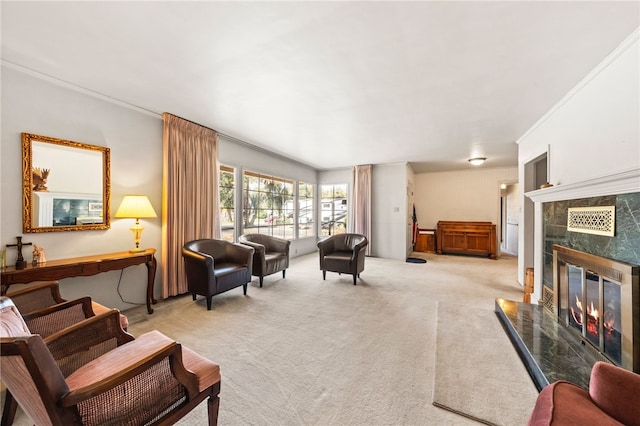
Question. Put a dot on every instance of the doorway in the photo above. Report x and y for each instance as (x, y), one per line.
(509, 218)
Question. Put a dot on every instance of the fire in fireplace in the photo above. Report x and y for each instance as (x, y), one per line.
(599, 299)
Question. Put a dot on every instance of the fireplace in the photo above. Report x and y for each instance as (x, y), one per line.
(598, 299)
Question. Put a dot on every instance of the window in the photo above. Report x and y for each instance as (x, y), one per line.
(306, 210)
(227, 203)
(267, 205)
(333, 210)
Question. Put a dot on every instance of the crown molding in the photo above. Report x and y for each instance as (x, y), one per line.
(622, 48)
(624, 182)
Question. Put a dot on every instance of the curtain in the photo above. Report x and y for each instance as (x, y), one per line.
(361, 203)
(189, 194)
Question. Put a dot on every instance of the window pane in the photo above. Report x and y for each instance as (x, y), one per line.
(333, 209)
(227, 202)
(265, 201)
(306, 210)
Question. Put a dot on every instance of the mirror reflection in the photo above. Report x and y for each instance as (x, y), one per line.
(66, 185)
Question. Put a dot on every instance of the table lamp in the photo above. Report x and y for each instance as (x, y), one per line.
(136, 207)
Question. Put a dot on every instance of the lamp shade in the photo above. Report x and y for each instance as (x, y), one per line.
(135, 206)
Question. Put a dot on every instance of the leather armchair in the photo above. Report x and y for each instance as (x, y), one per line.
(151, 379)
(343, 253)
(271, 254)
(215, 266)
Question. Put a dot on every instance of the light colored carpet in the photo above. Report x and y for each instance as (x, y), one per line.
(303, 351)
(473, 357)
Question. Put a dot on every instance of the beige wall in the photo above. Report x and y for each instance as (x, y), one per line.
(467, 195)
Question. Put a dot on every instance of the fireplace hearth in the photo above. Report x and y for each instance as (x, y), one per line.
(596, 317)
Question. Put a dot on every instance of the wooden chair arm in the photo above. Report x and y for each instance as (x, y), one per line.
(57, 317)
(125, 362)
(85, 302)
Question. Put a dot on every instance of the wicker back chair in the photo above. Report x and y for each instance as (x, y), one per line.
(149, 380)
(40, 296)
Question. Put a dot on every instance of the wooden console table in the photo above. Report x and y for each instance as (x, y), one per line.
(478, 238)
(83, 267)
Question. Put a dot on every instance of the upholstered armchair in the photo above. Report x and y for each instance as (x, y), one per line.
(49, 319)
(343, 253)
(151, 379)
(215, 266)
(40, 296)
(271, 254)
(612, 399)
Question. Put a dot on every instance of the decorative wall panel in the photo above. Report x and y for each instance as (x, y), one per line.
(592, 220)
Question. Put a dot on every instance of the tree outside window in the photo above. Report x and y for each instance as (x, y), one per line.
(306, 210)
(267, 205)
(227, 189)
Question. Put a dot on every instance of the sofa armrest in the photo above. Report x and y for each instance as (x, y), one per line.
(240, 254)
(361, 246)
(257, 247)
(279, 245)
(122, 364)
(326, 246)
(611, 388)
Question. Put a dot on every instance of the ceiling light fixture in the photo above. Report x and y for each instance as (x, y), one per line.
(477, 161)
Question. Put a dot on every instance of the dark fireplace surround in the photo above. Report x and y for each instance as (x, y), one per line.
(554, 342)
(598, 299)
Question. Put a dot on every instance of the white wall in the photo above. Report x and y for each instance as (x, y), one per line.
(389, 206)
(594, 131)
(36, 105)
(389, 211)
(463, 195)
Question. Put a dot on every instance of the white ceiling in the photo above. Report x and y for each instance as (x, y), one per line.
(330, 84)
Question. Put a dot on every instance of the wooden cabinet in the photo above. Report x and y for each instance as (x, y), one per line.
(477, 238)
(426, 240)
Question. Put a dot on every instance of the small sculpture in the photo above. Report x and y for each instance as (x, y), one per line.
(40, 179)
(38, 254)
(20, 262)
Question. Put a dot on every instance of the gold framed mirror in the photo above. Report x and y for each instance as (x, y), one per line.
(66, 185)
